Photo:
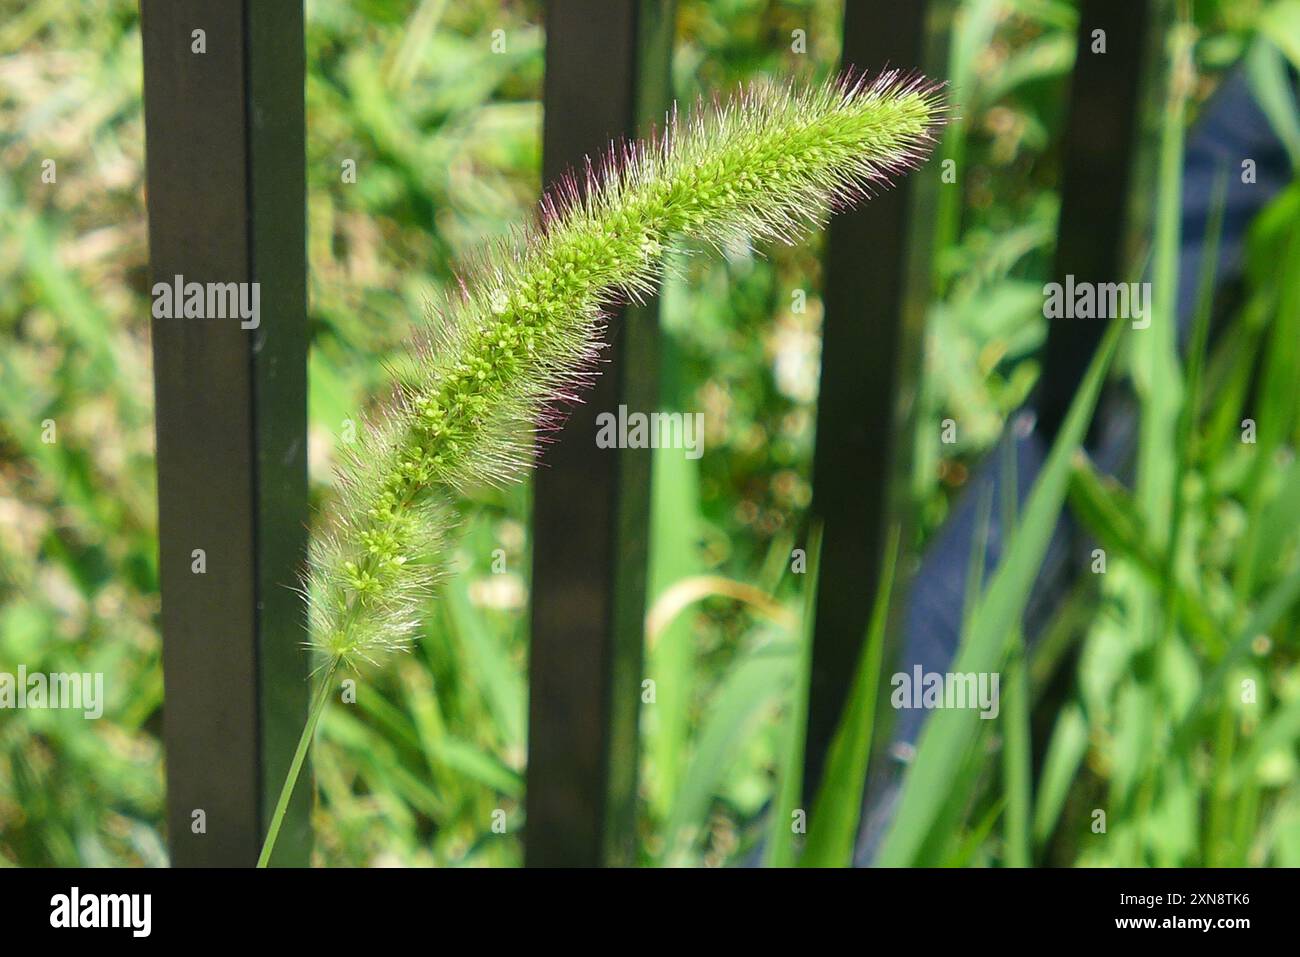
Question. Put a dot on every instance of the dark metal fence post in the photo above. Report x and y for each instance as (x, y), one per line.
(606, 75)
(874, 317)
(223, 90)
(1101, 138)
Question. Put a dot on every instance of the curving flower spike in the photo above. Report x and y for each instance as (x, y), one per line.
(524, 334)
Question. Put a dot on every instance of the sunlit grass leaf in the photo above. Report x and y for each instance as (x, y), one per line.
(949, 733)
(833, 826)
(781, 850)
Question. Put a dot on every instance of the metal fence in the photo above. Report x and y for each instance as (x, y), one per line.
(226, 172)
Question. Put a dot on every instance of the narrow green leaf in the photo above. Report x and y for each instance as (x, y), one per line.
(948, 733)
(675, 503)
(781, 836)
(1064, 754)
(833, 827)
(750, 686)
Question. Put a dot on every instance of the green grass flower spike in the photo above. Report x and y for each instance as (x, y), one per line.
(525, 332)
(493, 367)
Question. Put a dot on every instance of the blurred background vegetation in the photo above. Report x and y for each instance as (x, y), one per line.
(445, 135)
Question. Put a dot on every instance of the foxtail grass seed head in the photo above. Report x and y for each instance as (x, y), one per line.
(522, 337)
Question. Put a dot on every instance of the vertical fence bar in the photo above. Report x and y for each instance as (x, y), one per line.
(224, 123)
(1102, 131)
(871, 333)
(606, 74)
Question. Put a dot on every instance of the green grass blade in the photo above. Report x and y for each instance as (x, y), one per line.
(751, 685)
(1016, 770)
(675, 502)
(1110, 515)
(1156, 375)
(1276, 602)
(1064, 755)
(1192, 399)
(948, 733)
(781, 836)
(833, 828)
(487, 659)
(1268, 80)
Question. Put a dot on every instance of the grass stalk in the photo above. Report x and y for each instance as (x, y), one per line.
(295, 767)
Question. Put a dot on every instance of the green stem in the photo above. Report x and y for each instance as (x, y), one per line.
(295, 768)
